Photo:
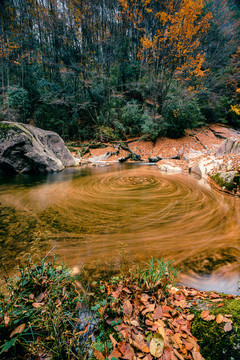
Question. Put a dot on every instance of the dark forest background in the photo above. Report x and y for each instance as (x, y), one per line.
(108, 69)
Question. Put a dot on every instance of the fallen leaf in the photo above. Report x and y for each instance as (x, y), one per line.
(210, 318)
(37, 305)
(134, 323)
(18, 330)
(114, 342)
(176, 339)
(179, 356)
(98, 355)
(115, 354)
(150, 308)
(189, 346)
(157, 313)
(204, 314)
(140, 346)
(220, 305)
(157, 345)
(227, 327)
(190, 317)
(219, 319)
(6, 320)
(197, 356)
(127, 308)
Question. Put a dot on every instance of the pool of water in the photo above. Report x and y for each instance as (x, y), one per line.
(103, 214)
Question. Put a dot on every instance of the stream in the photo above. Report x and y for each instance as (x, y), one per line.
(123, 213)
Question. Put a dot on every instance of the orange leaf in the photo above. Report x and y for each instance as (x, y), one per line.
(37, 305)
(219, 319)
(204, 314)
(210, 318)
(98, 355)
(18, 330)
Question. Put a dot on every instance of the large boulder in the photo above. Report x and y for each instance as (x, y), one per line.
(27, 149)
(229, 146)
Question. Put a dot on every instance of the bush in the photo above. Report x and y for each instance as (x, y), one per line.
(17, 100)
(180, 115)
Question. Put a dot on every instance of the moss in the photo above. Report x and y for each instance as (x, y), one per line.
(230, 186)
(214, 342)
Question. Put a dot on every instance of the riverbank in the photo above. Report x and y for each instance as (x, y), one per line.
(197, 152)
(138, 313)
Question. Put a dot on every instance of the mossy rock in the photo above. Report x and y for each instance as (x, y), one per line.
(229, 180)
(214, 342)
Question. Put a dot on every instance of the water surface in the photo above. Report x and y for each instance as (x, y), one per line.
(103, 214)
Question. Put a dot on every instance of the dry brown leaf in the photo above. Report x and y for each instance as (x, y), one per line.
(227, 327)
(157, 345)
(220, 305)
(210, 318)
(114, 342)
(129, 354)
(115, 353)
(98, 355)
(189, 346)
(204, 314)
(6, 320)
(190, 317)
(176, 339)
(225, 319)
(219, 319)
(37, 305)
(18, 330)
(140, 346)
(127, 308)
(196, 355)
(157, 313)
(179, 356)
(134, 323)
(150, 308)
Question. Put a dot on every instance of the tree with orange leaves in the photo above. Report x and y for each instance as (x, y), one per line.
(170, 34)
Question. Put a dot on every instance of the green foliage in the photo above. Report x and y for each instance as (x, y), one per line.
(39, 313)
(180, 115)
(229, 185)
(17, 99)
(155, 273)
(214, 342)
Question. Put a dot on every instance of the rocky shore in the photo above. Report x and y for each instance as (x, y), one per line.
(212, 153)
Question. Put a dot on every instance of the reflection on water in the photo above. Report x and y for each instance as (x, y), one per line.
(88, 212)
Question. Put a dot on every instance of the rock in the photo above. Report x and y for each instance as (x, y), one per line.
(27, 149)
(169, 168)
(154, 159)
(100, 158)
(205, 166)
(229, 146)
(228, 180)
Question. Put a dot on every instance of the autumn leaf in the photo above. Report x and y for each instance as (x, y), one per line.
(157, 313)
(37, 305)
(18, 330)
(6, 320)
(227, 327)
(127, 308)
(204, 314)
(157, 345)
(210, 318)
(219, 319)
(98, 355)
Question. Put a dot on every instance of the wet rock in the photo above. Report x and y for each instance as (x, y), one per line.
(154, 159)
(205, 166)
(27, 149)
(228, 180)
(229, 146)
(103, 157)
(88, 322)
(169, 168)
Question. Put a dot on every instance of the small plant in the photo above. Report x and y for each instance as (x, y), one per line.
(156, 273)
(40, 313)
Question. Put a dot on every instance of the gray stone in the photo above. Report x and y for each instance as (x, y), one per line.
(170, 169)
(27, 149)
(229, 146)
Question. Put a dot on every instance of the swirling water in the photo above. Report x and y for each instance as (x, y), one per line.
(97, 214)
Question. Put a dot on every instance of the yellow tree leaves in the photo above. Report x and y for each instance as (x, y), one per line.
(169, 33)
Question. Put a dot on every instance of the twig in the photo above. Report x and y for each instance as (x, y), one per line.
(49, 253)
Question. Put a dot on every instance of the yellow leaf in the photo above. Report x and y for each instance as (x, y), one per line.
(157, 345)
